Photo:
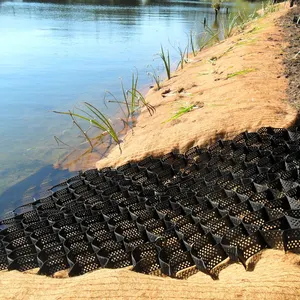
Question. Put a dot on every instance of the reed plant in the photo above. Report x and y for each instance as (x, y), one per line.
(96, 119)
(156, 77)
(165, 56)
(60, 142)
(132, 99)
(244, 18)
(236, 21)
(202, 40)
(213, 35)
(141, 102)
(183, 56)
(228, 26)
(192, 43)
(207, 38)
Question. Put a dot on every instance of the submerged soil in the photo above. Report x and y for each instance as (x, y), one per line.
(239, 84)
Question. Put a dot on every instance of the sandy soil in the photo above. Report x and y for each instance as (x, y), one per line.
(226, 106)
(276, 276)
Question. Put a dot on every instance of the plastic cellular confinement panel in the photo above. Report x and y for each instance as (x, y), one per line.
(171, 215)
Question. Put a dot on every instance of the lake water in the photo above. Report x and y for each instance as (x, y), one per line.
(56, 54)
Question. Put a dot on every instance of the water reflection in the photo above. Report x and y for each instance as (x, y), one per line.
(113, 2)
(129, 3)
(92, 2)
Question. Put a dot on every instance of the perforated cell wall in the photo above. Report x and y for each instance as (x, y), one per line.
(167, 215)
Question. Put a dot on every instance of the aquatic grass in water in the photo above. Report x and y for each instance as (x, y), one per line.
(212, 33)
(140, 99)
(133, 100)
(96, 119)
(227, 26)
(132, 94)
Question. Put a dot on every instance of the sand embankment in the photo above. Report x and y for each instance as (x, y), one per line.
(276, 277)
(237, 85)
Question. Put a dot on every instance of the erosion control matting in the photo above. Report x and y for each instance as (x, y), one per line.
(172, 215)
(236, 85)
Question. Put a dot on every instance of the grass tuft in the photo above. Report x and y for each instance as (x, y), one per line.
(133, 100)
(238, 73)
(156, 77)
(183, 58)
(96, 119)
(165, 56)
(182, 110)
(191, 40)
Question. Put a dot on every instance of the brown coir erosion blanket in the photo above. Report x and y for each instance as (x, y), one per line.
(227, 105)
(275, 277)
(237, 85)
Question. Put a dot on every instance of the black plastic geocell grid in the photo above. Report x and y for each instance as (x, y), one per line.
(170, 215)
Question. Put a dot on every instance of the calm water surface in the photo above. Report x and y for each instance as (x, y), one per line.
(55, 54)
